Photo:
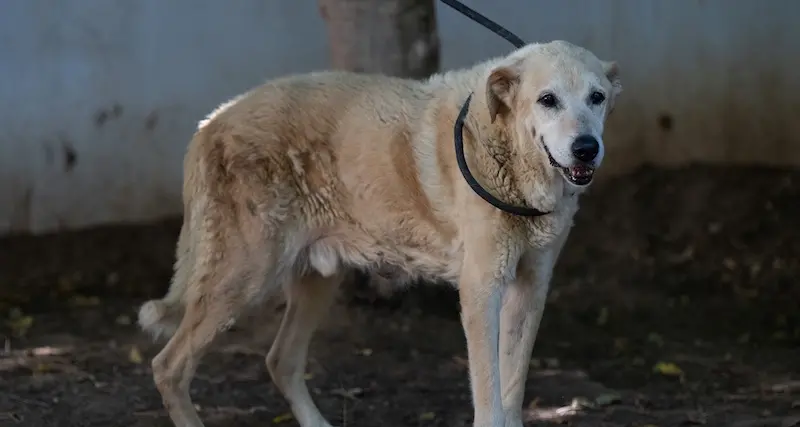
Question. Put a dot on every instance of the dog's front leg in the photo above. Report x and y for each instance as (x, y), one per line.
(520, 316)
(481, 290)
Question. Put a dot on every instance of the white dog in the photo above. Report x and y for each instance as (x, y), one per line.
(307, 177)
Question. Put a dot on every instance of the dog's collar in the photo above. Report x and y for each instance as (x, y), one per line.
(459, 126)
(473, 183)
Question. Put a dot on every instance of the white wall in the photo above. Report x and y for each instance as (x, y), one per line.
(98, 98)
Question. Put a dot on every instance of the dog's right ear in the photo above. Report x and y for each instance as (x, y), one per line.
(611, 69)
(501, 87)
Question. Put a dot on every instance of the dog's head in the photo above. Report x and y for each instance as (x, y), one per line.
(555, 98)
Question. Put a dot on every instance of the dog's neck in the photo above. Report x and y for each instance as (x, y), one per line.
(515, 175)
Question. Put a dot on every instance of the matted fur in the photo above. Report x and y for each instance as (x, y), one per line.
(299, 181)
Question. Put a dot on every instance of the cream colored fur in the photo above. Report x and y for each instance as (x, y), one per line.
(305, 178)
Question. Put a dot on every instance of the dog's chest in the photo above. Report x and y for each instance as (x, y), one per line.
(543, 231)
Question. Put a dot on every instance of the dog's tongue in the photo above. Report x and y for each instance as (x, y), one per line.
(580, 171)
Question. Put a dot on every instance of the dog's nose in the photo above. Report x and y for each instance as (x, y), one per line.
(585, 148)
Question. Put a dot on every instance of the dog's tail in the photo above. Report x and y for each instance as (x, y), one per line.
(161, 317)
(203, 173)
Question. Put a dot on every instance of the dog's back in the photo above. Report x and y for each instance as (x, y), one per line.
(308, 172)
(291, 186)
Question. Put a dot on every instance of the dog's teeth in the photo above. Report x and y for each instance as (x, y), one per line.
(580, 171)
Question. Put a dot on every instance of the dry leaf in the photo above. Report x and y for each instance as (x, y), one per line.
(427, 416)
(19, 324)
(135, 356)
(668, 369)
(282, 418)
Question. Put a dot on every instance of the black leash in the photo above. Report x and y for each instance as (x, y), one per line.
(486, 22)
(462, 115)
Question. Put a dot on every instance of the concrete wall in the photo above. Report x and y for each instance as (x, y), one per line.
(98, 98)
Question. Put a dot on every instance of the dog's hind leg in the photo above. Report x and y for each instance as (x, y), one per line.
(219, 302)
(308, 301)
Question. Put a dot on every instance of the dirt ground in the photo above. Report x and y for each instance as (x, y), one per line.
(675, 303)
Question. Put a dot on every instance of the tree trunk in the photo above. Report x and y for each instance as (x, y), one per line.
(394, 37)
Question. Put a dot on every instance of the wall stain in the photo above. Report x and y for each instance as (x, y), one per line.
(70, 155)
(100, 118)
(103, 115)
(151, 121)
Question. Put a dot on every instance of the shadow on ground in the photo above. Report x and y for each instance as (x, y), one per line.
(675, 304)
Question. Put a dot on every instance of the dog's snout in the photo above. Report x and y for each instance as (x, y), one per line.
(585, 148)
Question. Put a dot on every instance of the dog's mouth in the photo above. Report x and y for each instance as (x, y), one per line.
(579, 174)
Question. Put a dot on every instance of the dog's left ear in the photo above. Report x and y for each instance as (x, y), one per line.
(611, 70)
(500, 90)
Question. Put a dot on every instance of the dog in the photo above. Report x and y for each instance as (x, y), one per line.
(305, 178)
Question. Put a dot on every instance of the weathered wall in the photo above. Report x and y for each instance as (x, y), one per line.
(99, 97)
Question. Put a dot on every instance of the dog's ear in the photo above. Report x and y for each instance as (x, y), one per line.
(500, 90)
(611, 70)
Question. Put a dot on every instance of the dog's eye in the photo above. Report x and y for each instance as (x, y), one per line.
(597, 98)
(548, 100)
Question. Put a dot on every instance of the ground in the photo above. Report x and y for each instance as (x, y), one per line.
(675, 303)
